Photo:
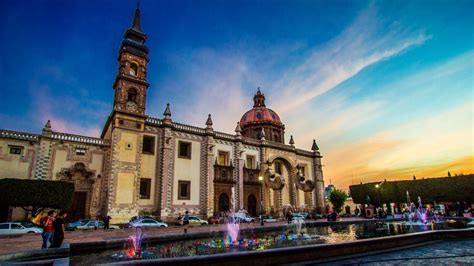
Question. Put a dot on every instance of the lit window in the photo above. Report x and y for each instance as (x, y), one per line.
(250, 162)
(223, 158)
(133, 69)
(184, 188)
(184, 150)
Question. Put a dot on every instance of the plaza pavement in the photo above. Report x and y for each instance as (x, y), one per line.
(28, 242)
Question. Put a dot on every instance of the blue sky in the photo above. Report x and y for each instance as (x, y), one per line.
(385, 87)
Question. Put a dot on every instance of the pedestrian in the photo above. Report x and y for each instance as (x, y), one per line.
(186, 221)
(106, 221)
(58, 226)
(289, 217)
(47, 224)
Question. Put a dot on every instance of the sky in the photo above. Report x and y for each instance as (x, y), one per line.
(385, 87)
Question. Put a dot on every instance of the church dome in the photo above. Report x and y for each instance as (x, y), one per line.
(259, 115)
(262, 122)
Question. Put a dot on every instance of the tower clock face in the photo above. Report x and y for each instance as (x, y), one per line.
(132, 106)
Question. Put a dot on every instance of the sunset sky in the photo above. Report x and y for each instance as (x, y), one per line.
(385, 87)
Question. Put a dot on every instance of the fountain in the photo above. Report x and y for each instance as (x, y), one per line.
(233, 227)
(136, 244)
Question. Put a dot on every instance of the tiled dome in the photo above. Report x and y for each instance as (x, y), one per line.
(259, 113)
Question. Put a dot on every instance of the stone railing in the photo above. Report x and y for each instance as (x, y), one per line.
(154, 121)
(304, 152)
(224, 136)
(77, 138)
(189, 129)
(250, 141)
(18, 135)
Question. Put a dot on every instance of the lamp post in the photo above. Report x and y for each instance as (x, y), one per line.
(260, 179)
(377, 186)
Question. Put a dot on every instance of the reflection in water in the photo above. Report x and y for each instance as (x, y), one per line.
(251, 241)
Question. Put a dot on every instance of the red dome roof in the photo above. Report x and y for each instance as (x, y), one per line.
(260, 115)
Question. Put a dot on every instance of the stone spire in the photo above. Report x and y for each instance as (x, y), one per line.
(209, 121)
(315, 146)
(47, 128)
(238, 129)
(209, 129)
(167, 114)
(262, 134)
(136, 19)
(292, 142)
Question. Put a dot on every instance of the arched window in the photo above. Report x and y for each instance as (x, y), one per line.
(134, 69)
(132, 95)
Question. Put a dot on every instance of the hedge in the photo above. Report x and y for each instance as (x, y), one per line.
(444, 189)
(36, 194)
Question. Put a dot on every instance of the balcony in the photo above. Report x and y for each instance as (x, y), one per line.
(223, 174)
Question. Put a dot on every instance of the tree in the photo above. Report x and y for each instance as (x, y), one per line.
(36, 195)
(337, 199)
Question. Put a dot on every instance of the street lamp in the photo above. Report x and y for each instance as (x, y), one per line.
(260, 179)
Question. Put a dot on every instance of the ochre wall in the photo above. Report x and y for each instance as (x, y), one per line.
(187, 170)
(16, 166)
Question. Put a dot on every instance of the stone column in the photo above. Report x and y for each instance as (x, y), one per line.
(167, 153)
(207, 185)
(43, 161)
(318, 178)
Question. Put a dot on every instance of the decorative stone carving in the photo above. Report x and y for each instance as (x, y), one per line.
(301, 182)
(273, 180)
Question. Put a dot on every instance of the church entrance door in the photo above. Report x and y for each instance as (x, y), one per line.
(78, 208)
(223, 202)
(252, 205)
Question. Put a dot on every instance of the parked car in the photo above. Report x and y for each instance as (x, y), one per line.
(244, 217)
(193, 220)
(136, 218)
(147, 223)
(73, 226)
(94, 224)
(27, 224)
(17, 229)
(268, 219)
(216, 220)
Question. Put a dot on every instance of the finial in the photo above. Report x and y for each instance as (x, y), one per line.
(292, 142)
(238, 128)
(209, 121)
(167, 111)
(136, 19)
(315, 146)
(47, 128)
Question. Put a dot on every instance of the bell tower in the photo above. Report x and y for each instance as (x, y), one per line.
(126, 125)
(130, 84)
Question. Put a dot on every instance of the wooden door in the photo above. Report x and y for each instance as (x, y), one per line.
(78, 208)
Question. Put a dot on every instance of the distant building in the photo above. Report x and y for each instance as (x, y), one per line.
(146, 165)
(328, 190)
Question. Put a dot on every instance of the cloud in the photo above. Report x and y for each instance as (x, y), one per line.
(366, 41)
(68, 113)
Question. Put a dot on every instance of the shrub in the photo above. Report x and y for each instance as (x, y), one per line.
(337, 199)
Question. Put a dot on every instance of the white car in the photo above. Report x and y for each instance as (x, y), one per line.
(148, 223)
(269, 219)
(243, 217)
(17, 228)
(193, 220)
(92, 225)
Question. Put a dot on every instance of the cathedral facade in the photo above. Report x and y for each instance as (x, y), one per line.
(146, 165)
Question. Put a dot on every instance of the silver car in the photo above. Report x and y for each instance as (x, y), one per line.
(17, 229)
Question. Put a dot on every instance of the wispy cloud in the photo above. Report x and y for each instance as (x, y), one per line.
(366, 41)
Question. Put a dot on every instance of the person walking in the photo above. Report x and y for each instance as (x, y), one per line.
(186, 221)
(47, 224)
(58, 227)
(106, 222)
